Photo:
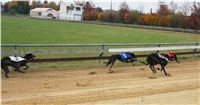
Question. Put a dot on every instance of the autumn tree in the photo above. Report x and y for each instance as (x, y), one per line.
(99, 11)
(194, 19)
(115, 17)
(34, 4)
(178, 20)
(164, 21)
(14, 4)
(89, 11)
(13, 7)
(45, 4)
(105, 16)
(53, 5)
(163, 9)
(150, 19)
(39, 4)
(7, 6)
(134, 16)
(23, 7)
(124, 11)
(99, 16)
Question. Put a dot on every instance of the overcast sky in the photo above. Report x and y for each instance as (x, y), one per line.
(142, 5)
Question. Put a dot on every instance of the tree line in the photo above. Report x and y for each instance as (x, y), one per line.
(167, 15)
(23, 7)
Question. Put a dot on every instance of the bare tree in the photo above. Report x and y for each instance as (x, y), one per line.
(141, 8)
(173, 6)
(186, 8)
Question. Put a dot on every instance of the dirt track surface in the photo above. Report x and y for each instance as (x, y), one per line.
(127, 85)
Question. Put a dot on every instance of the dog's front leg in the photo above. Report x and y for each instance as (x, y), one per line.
(26, 67)
(18, 70)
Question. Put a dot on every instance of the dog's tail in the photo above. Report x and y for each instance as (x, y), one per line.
(105, 62)
(143, 62)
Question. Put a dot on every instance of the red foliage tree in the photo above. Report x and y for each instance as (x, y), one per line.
(89, 11)
(194, 19)
(124, 12)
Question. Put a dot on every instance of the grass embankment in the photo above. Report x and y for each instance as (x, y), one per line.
(16, 30)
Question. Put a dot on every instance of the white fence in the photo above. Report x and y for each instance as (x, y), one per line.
(153, 49)
(15, 49)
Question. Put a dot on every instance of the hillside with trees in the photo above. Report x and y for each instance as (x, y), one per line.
(167, 15)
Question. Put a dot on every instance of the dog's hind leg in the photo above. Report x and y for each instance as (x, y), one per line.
(165, 72)
(6, 70)
(152, 69)
(6, 73)
(110, 68)
(110, 60)
(132, 62)
(113, 62)
(163, 68)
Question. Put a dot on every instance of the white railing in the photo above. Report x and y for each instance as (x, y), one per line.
(96, 45)
(153, 49)
(95, 48)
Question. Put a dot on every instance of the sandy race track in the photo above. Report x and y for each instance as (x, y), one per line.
(127, 85)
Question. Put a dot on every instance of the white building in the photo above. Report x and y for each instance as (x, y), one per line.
(45, 13)
(70, 12)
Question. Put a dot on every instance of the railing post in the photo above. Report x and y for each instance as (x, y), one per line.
(194, 51)
(15, 49)
(102, 52)
(158, 46)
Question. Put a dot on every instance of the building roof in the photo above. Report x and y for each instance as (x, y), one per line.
(41, 9)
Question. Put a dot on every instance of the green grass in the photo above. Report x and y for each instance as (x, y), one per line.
(24, 30)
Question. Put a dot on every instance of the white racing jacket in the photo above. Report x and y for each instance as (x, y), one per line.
(16, 59)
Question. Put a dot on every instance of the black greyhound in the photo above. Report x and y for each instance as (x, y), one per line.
(15, 62)
(155, 59)
(124, 57)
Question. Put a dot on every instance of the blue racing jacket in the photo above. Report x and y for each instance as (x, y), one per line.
(125, 56)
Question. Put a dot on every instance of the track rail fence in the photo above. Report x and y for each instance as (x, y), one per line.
(96, 58)
(99, 48)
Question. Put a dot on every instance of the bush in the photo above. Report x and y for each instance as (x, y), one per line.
(12, 12)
